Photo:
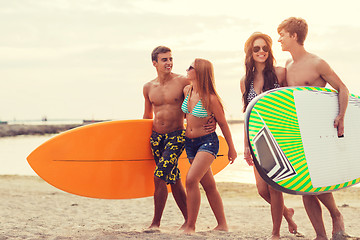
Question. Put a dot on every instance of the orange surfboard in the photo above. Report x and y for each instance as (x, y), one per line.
(109, 160)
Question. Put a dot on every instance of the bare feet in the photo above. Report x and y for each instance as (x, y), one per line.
(341, 236)
(221, 228)
(338, 224)
(321, 238)
(152, 229)
(189, 230)
(274, 237)
(183, 226)
(288, 214)
(154, 226)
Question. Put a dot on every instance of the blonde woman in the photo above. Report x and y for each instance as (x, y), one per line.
(201, 104)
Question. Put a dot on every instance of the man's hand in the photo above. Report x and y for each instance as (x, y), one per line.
(210, 126)
(339, 124)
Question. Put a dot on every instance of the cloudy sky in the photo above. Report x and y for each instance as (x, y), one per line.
(83, 59)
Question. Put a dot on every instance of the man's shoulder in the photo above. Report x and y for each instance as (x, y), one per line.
(314, 58)
(150, 83)
(310, 59)
(180, 78)
(318, 63)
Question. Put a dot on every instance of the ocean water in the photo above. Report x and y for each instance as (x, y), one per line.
(14, 150)
(13, 153)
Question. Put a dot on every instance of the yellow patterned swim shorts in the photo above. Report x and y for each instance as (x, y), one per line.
(166, 149)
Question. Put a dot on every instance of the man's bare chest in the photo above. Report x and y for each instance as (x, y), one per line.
(302, 75)
(164, 95)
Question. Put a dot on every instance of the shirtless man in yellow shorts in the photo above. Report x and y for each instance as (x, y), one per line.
(163, 99)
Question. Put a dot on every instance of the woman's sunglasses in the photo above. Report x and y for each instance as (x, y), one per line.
(190, 68)
(264, 48)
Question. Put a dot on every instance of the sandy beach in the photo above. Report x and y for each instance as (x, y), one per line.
(33, 209)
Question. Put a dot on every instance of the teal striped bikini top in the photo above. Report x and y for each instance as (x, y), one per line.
(198, 111)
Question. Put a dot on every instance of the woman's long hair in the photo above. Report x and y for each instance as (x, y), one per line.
(269, 71)
(205, 81)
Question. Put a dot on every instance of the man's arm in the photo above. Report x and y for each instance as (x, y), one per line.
(332, 78)
(148, 110)
(281, 76)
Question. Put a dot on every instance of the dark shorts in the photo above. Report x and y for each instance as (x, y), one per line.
(208, 143)
(166, 149)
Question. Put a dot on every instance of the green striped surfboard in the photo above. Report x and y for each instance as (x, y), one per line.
(294, 144)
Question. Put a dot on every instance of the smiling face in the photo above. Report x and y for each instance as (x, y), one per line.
(164, 62)
(260, 50)
(286, 40)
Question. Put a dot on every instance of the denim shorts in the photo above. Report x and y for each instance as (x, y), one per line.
(207, 143)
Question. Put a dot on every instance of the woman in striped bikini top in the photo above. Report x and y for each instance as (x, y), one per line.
(198, 111)
(202, 147)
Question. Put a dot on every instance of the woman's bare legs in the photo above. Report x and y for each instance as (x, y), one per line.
(200, 172)
(215, 201)
(278, 209)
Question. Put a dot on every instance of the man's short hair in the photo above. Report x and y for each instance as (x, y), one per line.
(157, 50)
(295, 25)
